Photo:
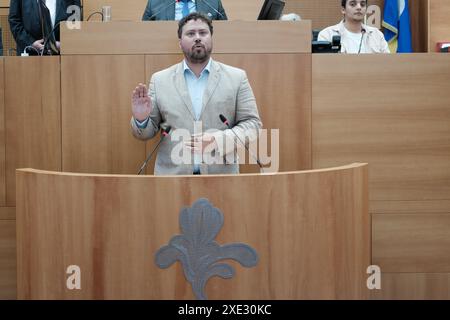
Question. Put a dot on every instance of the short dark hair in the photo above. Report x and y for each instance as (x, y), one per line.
(344, 3)
(194, 16)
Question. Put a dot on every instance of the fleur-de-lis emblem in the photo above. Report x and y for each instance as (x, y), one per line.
(197, 251)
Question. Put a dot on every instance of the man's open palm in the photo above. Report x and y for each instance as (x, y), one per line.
(141, 104)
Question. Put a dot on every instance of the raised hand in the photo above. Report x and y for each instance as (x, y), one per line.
(141, 104)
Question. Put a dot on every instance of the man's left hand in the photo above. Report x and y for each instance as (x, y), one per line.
(200, 142)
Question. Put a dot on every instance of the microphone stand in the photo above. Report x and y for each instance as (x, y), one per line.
(224, 120)
(48, 38)
(215, 10)
(165, 132)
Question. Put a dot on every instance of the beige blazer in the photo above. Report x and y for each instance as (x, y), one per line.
(227, 92)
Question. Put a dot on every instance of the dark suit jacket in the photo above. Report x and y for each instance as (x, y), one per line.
(165, 9)
(25, 23)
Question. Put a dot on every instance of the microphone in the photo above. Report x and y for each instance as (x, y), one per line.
(161, 8)
(94, 13)
(363, 31)
(51, 41)
(165, 132)
(81, 10)
(225, 121)
(45, 23)
(215, 10)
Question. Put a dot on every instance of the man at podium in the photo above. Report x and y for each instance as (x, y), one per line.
(208, 106)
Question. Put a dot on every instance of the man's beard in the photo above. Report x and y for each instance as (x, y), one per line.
(198, 56)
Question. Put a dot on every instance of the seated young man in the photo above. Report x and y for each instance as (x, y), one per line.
(356, 37)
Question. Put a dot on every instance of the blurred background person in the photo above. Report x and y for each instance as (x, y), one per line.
(356, 37)
(176, 10)
(31, 21)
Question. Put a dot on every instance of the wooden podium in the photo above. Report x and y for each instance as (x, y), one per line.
(310, 230)
(160, 37)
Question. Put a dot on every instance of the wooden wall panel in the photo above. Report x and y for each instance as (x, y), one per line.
(419, 14)
(242, 10)
(2, 135)
(132, 10)
(410, 206)
(8, 275)
(411, 242)
(322, 13)
(391, 111)
(439, 22)
(413, 286)
(8, 280)
(161, 38)
(7, 213)
(283, 93)
(32, 110)
(96, 112)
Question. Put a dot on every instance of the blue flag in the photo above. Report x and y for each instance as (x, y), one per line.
(397, 27)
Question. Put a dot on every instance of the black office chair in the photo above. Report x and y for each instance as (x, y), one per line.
(315, 34)
(326, 46)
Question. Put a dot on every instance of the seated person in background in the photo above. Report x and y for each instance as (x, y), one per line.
(175, 10)
(25, 22)
(356, 37)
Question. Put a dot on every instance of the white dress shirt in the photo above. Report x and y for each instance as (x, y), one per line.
(51, 5)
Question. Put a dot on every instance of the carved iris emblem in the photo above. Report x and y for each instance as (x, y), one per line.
(197, 251)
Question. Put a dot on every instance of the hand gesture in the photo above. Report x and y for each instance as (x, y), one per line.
(141, 104)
